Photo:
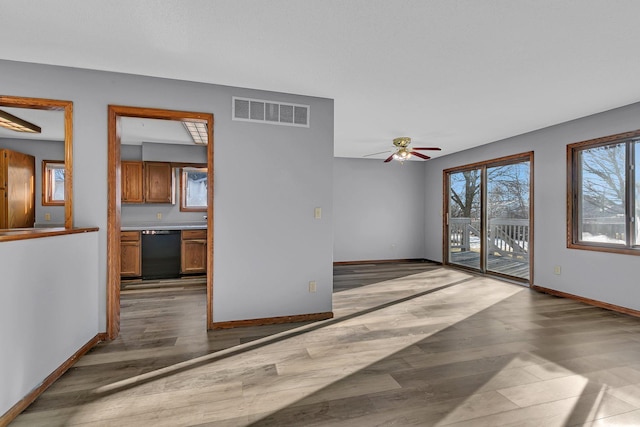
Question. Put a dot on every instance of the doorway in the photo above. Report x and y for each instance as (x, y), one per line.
(115, 114)
(488, 223)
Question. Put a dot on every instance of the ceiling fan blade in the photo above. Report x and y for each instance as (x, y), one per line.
(422, 156)
(427, 148)
(375, 154)
(388, 158)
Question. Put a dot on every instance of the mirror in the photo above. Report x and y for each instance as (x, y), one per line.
(27, 205)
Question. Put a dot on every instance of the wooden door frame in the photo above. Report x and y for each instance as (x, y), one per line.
(115, 112)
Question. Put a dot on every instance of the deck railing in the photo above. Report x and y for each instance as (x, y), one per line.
(505, 237)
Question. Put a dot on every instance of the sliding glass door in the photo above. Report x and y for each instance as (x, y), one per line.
(508, 228)
(465, 217)
(488, 221)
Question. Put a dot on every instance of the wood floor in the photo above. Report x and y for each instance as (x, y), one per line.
(495, 263)
(411, 344)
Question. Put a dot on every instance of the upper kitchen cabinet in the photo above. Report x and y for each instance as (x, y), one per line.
(147, 182)
(17, 189)
(132, 182)
(158, 181)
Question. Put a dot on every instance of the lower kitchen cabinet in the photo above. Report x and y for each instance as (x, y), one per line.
(193, 257)
(130, 254)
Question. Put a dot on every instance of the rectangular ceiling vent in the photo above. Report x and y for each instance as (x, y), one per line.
(275, 113)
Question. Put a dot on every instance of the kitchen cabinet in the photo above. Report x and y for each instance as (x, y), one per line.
(132, 182)
(146, 182)
(158, 182)
(130, 254)
(193, 257)
(17, 189)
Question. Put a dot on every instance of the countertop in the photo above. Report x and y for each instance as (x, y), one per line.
(163, 226)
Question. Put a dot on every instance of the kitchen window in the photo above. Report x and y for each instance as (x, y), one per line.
(52, 183)
(193, 189)
(604, 194)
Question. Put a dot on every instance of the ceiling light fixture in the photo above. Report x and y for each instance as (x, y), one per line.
(402, 154)
(12, 122)
(198, 132)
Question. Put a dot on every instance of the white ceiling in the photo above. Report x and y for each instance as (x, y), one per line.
(448, 73)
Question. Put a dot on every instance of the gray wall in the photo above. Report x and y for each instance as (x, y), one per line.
(378, 210)
(48, 308)
(41, 150)
(268, 180)
(611, 278)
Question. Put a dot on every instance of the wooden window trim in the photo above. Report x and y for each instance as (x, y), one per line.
(47, 196)
(573, 182)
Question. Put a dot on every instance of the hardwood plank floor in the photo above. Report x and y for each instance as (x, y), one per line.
(410, 344)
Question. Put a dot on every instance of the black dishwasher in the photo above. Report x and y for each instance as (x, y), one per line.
(160, 254)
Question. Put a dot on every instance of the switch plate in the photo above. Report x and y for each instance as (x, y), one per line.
(159, 215)
(557, 270)
(47, 216)
(312, 286)
(317, 213)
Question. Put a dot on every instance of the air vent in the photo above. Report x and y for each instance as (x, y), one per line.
(276, 113)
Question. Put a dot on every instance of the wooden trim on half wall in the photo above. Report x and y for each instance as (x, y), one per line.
(16, 409)
(593, 302)
(274, 320)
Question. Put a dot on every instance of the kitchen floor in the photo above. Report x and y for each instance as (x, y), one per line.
(420, 345)
(185, 282)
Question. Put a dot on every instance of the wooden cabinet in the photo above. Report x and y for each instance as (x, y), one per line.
(193, 257)
(17, 189)
(146, 182)
(130, 254)
(132, 182)
(158, 182)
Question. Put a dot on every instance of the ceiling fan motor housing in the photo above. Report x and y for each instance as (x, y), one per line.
(402, 142)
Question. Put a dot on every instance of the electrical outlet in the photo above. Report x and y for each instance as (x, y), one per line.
(557, 270)
(317, 213)
(312, 286)
(159, 215)
(47, 216)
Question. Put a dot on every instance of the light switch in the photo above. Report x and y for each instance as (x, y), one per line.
(47, 216)
(317, 213)
(159, 215)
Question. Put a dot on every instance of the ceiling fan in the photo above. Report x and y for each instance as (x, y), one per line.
(404, 152)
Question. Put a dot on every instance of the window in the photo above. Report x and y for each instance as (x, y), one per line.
(604, 194)
(193, 189)
(52, 183)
